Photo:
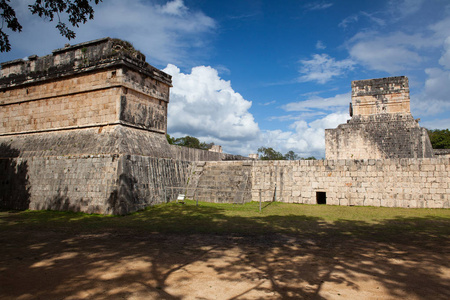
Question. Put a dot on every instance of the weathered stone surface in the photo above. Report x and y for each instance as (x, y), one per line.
(228, 182)
(417, 183)
(100, 83)
(381, 126)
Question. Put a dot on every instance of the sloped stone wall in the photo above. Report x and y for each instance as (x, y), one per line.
(221, 182)
(104, 184)
(378, 136)
(75, 183)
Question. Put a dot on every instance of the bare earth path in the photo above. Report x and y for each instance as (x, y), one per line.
(59, 264)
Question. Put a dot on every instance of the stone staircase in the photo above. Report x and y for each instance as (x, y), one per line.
(220, 183)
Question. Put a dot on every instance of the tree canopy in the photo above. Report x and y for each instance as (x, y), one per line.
(271, 154)
(291, 155)
(77, 11)
(440, 139)
(189, 141)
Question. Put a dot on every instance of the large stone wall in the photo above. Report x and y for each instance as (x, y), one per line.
(105, 184)
(381, 125)
(414, 183)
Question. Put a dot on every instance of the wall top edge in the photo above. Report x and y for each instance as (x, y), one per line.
(78, 58)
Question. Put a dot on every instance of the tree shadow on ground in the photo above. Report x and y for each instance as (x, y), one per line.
(161, 254)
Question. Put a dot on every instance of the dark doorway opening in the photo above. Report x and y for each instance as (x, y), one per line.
(321, 197)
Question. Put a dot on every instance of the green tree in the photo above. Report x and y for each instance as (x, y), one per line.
(189, 141)
(291, 155)
(309, 158)
(78, 11)
(440, 139)
(269, 154)
(170, 139)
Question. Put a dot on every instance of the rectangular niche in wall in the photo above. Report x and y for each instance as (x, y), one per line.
(321, 197)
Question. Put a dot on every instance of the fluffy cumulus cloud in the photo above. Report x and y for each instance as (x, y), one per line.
(321, 68)
(204, 105)
(165, 33)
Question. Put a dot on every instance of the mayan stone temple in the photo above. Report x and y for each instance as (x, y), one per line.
(381, 125)
(83, 129)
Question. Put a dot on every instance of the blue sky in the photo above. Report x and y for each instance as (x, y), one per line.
(271, 73)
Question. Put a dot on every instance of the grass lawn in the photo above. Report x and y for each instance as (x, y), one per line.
(214, 218)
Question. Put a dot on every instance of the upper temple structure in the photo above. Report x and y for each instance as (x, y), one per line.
(381, 125)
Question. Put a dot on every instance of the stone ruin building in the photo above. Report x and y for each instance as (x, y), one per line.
(381, 125)
(83, 129)
(76, 124)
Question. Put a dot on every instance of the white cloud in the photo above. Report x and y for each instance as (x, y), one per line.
(306, 139)
(268, 103)
(403, 8)
(361, 16)
(318, 5)
(332, 103)
(350, 19)
(320, 45)
(297, 116)
(204, 105)
(321, 68)
(434, 99)
(445, 58)
(437, 124)
(170, 33)
(384, 57)
(175, 7)
(392, 52)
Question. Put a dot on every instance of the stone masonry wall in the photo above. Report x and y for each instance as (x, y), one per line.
(228, 182)
(104, 184)
(378, 136)
(81, 183)
(415, 183)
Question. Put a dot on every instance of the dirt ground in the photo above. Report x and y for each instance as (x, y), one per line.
(127, 265)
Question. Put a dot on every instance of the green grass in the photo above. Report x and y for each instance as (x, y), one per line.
(275, 218)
